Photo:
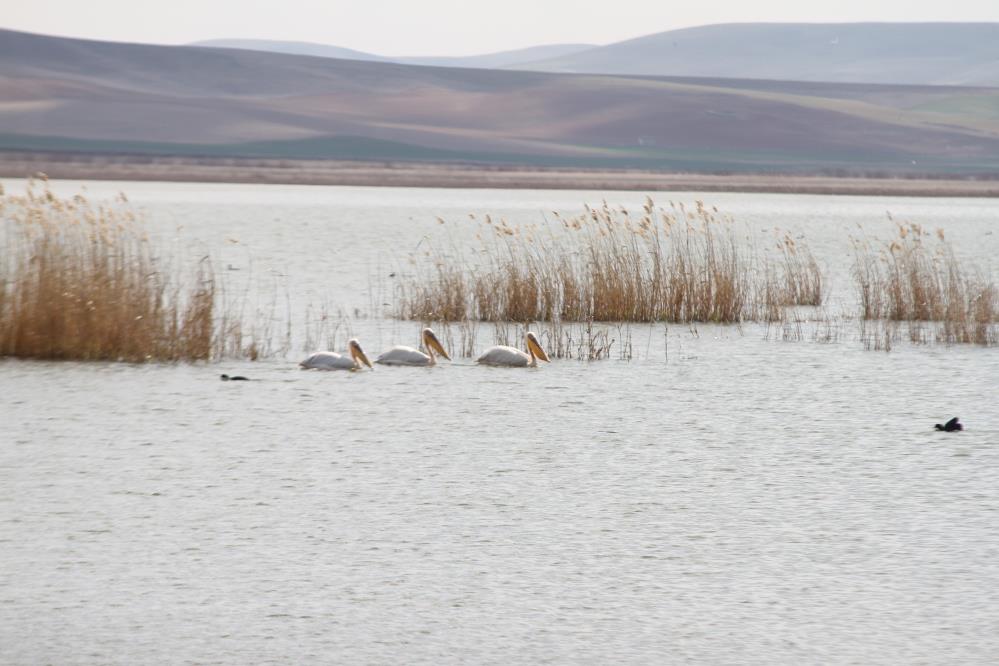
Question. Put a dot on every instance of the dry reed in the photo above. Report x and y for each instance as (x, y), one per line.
(81, 281)
(678, 264)
(907, 280)
(793, 278)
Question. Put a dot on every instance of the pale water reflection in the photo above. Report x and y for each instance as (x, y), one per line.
(740, 500)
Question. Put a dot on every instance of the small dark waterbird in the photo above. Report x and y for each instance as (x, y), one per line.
(951, 426)
(237, 378)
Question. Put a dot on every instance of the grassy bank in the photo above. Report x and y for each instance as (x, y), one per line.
(171, 167)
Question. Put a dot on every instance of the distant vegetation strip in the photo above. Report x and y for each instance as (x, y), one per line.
(365, 149)
(338, 147)
(395, 173)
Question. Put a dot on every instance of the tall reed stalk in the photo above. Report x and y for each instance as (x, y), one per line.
(792, 278)
(678, 264)
(81, 281)
(907, 279)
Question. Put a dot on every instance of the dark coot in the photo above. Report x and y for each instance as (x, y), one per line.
(951, 426)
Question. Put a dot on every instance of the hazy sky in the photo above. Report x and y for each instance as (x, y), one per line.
(444, 27)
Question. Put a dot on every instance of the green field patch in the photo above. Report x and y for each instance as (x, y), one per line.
(981, 106)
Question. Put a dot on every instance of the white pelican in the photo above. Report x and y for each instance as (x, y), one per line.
(408, 356)
(326, 360)
(514, 358)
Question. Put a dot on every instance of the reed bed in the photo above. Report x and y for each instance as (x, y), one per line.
(561, 340)
(674, 264)
(326, 328)
(917, 278)
(583, 341)
(800, 324)
(80, 281)
(792, 278)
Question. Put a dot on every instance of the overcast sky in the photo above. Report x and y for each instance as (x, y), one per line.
(444, 27)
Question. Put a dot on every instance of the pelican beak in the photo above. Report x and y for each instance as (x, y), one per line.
(430, 340)
(358, 355)
(537, 350)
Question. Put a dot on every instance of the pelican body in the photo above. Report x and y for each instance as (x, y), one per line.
(509, 357)
(327, 360)
(402, 355)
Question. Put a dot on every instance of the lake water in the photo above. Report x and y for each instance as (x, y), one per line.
(723, 497)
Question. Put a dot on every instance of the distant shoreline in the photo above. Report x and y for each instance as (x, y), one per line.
(410, 174)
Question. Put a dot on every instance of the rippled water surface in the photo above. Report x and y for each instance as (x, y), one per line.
(722, 497)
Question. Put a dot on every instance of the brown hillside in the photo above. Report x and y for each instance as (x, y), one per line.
(141, 98)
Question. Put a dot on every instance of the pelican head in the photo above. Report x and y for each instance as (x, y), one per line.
(358, 354)
(534, 347)
(432, 344)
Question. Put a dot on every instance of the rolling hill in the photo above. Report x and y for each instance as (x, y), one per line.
(891, 53)
(497, 60)
(297, 48)
(88, 96)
